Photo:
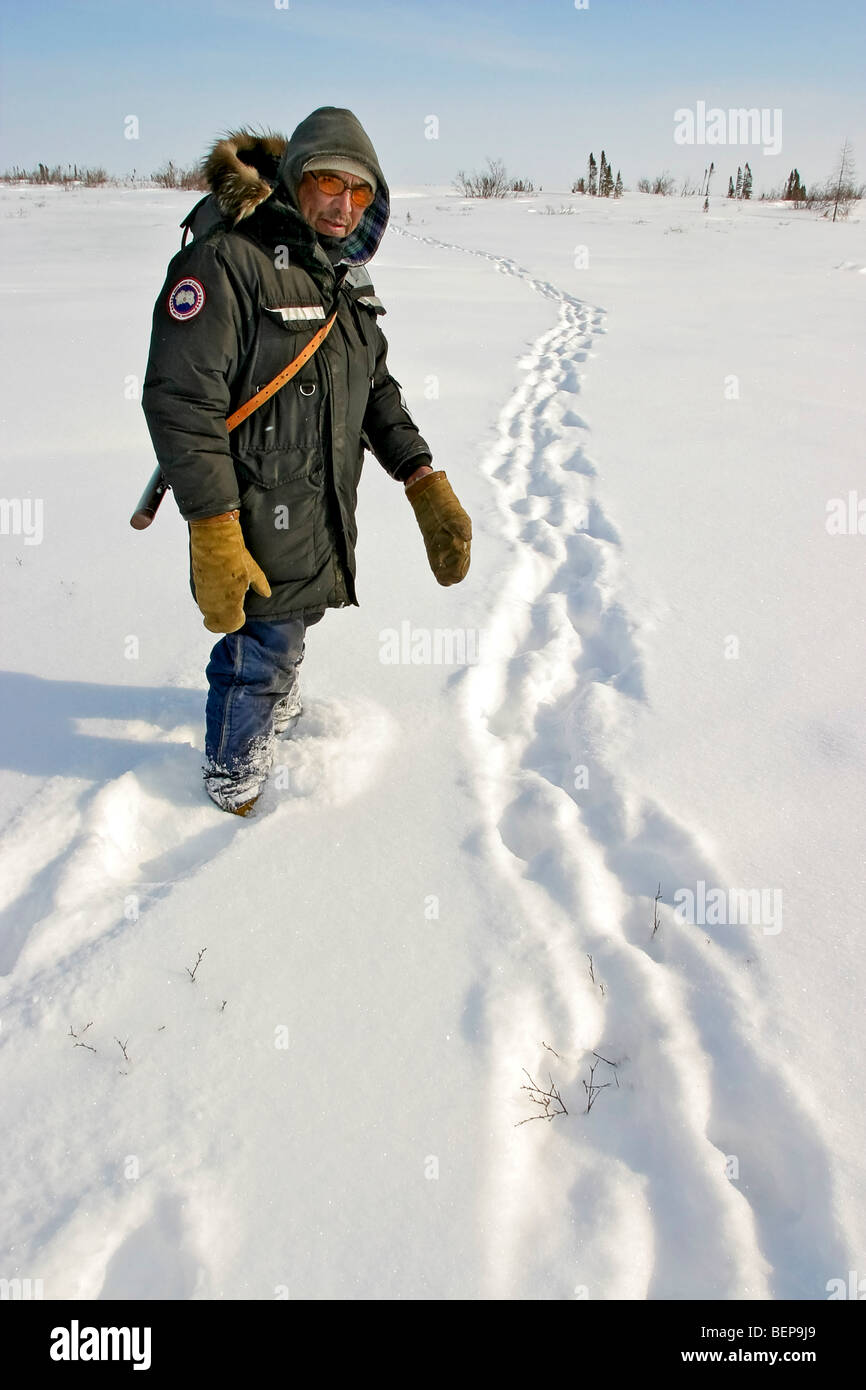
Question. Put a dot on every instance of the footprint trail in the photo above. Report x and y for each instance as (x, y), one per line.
(698, 1173)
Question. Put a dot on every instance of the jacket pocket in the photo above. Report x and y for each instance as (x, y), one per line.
(282, 439)
(285, 528)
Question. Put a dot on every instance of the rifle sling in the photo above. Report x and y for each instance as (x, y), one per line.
(245, 410)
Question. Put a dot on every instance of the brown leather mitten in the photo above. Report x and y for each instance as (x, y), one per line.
(222, 571)
(445, 526)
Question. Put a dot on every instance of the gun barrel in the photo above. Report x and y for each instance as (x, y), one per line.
(148, 505)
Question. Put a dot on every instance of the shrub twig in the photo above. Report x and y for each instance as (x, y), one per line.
(593, 1087)
(543, 1098)
(191, 973)
(656, 921)
(73, 1034)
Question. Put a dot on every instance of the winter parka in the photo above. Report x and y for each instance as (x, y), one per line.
(238, 304)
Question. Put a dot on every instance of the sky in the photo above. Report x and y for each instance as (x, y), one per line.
(440, 86)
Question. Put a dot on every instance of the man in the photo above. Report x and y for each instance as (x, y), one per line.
(279, 246)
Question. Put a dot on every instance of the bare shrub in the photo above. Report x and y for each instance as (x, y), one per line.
(662, 184)
(64, 174)
(492, 183)
(171, 175)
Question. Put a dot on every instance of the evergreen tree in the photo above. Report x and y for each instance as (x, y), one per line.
(747, 182)
(794, 189)
(739, 189)
(605, 177)
(730, 188)
(592, 179)
(617, 192)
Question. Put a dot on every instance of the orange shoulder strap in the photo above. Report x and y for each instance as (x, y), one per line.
(285, 375)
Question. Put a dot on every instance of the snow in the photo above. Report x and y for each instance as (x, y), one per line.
(646, 411)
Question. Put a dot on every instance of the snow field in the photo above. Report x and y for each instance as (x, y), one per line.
(402, 936)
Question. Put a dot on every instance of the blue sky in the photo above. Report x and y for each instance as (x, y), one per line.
(536, 84)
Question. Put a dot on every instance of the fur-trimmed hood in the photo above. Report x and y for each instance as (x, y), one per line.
(244, 169)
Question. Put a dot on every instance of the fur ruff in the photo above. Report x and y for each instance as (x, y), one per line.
(241, 170)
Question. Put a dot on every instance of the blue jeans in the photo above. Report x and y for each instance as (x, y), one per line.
(250, 671)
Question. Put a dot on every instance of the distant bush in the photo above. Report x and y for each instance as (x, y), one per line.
(662, 184)
(492, 183)
(835, 197)
(171, 175)
(840, 192)
(58, 174)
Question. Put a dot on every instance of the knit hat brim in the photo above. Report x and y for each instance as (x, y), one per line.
(339, 163)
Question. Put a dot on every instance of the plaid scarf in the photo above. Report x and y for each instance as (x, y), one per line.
(360, 245)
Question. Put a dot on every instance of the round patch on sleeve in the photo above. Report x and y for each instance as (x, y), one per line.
(186, 299)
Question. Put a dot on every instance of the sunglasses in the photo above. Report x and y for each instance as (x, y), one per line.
(332, 185)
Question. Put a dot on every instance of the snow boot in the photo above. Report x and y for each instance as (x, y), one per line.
(287, 712)
(237, 788)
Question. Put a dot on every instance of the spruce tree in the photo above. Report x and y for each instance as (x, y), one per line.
(739, 190)
(617, 192)
(730, 188)
(608, 180)
(747, 182)
(592, 180)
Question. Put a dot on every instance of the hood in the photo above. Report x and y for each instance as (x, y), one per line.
(332, 131)
(244, 169)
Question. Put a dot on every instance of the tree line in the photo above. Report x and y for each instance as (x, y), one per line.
(599, 181)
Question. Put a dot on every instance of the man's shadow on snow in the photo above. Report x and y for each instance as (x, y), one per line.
(39, 719)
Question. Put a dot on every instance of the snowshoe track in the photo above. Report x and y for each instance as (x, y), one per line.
(693, 1098)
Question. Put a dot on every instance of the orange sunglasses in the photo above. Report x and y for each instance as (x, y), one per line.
(332, 184)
